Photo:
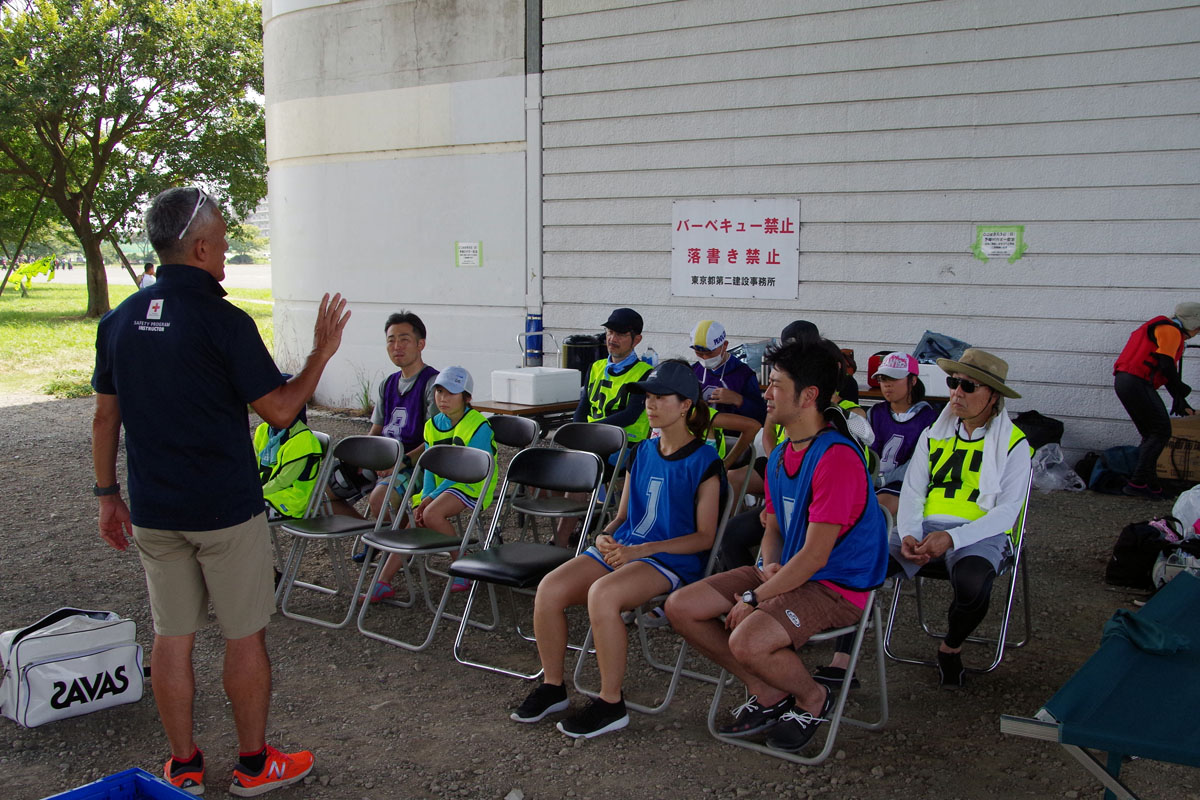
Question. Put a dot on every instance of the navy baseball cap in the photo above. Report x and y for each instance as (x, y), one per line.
(624, 320)
(670, 377)
(801, 329)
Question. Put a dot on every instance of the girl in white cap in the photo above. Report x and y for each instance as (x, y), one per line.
(440, 500)
(897, 422)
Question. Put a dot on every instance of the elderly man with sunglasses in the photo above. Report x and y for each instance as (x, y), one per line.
(176, 366)
(962, 493)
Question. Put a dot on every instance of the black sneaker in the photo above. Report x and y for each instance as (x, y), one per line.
(544, 700)
(1147, 491)
(796, 727)
(750, 718)
(833, 677)
(597, 718)
(950, 670)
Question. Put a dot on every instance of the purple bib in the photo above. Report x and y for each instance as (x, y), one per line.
(404, 414)
(896, 441)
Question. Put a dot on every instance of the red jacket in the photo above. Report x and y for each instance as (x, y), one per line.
(1138, 356)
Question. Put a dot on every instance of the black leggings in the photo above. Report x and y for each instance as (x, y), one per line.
(971, 581)
(1145, 407)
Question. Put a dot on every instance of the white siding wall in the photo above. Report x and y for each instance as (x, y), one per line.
(900, 126)
(394, 129)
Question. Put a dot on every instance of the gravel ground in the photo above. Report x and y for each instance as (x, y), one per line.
(387, 723)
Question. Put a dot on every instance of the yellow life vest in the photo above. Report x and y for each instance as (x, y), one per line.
(460, 436)
(954, 470)
(608, 394)
(299, 448)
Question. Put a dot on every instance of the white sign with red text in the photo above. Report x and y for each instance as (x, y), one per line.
(735, 247)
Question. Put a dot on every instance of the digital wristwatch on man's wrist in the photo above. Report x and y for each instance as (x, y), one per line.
(105, 491)
(750, 598)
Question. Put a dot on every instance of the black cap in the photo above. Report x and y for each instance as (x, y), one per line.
(670, 377)
(624, 320)
(800, 330)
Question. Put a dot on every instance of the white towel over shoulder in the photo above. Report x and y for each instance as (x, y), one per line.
(995, 451)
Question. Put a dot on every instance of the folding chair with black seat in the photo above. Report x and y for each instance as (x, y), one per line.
(376, 453)
(513, 431)
(590, 437)
(521, 565)
(457, 464)
(870, 618)
(676, 668)
(1014, 567)
(317, 505)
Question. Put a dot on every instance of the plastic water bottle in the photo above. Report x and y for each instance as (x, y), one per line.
(650, 357)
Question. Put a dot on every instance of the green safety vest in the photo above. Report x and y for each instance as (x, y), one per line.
(300, 446)
(608, 394)
(954, 470)
(716, 437)
(460, 436)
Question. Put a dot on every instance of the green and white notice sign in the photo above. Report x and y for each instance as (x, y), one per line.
(468, 254)
(999, 241)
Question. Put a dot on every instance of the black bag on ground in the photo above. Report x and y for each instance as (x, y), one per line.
(1135, 552)
(1039, 429)
(1113, 469)
(1085, 465)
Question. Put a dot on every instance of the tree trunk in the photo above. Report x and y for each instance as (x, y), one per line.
(124, 260)
(12, 265)
(97, 280)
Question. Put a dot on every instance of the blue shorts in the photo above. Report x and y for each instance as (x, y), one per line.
(674, 580)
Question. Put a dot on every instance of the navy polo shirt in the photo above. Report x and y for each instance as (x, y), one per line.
(184, 363)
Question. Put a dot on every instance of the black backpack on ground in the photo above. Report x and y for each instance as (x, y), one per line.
(1039, 429)
(1138, 547)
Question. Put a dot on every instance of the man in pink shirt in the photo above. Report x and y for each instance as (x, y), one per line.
(818, 495)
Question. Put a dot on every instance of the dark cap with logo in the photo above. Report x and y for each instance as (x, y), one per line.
(670, 377)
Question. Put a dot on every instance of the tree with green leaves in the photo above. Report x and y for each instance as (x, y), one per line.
(105, 103)
(246, 239)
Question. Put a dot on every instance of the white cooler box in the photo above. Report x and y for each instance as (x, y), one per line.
(934, 379)
(535, 386)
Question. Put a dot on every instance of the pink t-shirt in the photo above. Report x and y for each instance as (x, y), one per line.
(839, 492)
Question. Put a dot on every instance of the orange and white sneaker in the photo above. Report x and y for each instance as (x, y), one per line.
(189, 779)
(281, 769)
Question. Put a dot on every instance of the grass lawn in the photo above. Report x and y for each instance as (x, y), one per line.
(48, 347)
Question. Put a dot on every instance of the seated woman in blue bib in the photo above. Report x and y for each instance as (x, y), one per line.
(659, 540)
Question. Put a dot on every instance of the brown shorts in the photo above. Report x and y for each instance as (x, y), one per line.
(232, 567)
(803, 612)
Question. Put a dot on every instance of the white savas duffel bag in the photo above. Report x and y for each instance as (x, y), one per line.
(68, 663)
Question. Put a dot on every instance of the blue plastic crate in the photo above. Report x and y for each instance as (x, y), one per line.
(132, 784)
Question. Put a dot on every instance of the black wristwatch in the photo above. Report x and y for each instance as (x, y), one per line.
(105, 491)
(750, 598)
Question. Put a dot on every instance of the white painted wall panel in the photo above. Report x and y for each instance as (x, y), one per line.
(1109, 69)
(1102, 203)
(881, 31)
(394, 129)
(900, 127)
(926, 113)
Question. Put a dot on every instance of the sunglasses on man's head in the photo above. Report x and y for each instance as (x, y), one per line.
(962, 383)
(201, 198)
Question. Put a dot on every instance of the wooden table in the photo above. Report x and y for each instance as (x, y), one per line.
(548, 415)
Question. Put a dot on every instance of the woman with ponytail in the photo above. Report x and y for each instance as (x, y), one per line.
(659, 540)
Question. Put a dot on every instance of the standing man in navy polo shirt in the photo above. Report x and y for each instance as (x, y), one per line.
(176, 365)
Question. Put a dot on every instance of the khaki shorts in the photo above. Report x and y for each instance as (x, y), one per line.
(803, 612)
(232, 567)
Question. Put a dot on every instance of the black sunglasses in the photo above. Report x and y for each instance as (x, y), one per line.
(962, 383)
